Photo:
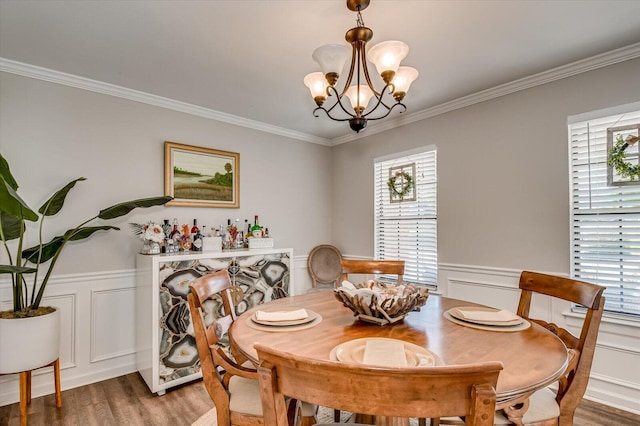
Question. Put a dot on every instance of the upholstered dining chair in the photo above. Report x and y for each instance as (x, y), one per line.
(546, 407)
(323, 264)
(233, 387)
(385, 267)
(465, 390)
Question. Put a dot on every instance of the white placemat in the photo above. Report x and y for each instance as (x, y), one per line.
(510, 328)
(284, 328)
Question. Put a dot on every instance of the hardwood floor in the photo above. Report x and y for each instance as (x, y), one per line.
(126, 400)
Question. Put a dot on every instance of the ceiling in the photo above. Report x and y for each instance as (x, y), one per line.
(248, 58)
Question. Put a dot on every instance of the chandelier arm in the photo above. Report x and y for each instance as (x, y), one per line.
(338, 102)
(328, 115)
(389, 111)
(354, 53)
(365, 69)
(380, 102)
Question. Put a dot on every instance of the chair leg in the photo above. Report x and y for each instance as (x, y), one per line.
(24, 379)
(56, 372)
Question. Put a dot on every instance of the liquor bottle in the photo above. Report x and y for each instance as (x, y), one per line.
(166, 228)
(266, 232)
(194, 228)
(175, 232)
(196, 241)
(256, 229)
(185, 238)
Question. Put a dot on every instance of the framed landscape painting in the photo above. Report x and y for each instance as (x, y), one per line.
(201, 177)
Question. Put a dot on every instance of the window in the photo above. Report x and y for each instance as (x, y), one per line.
(406, 227)
(605, 215)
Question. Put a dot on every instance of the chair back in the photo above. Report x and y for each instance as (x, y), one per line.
(467, 390)
(323, 264)
(386, 267)
(216, 366)
(573, 383)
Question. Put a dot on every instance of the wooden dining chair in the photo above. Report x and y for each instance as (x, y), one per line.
(233, 387)
(546, 407)
(370, 267)
(465, 390)
(323, 264)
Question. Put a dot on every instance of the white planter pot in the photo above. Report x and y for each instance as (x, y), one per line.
(29, 343)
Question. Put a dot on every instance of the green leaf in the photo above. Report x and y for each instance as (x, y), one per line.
(10, 269)
(55, 203)
(48, 251)
(86, 232)
(11, 203)
(6, 173)
(126, 207)
(10, 226)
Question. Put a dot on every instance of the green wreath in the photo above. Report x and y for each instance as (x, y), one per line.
(617, 158)
(406, 186)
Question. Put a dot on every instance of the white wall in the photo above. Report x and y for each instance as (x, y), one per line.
(503, 202)
(51, 134)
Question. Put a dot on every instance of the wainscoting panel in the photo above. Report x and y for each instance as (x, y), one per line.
(68, 314)
(300, 275)
(111, 335)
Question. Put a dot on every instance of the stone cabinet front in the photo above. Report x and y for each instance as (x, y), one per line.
(166, 353)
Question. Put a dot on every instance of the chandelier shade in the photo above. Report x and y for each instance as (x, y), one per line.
(386, 56)
(365, 102)
(331, 57)
(359, 96)
(402, 81)
(317, 84)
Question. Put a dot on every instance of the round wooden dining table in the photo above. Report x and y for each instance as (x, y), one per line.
(532, 358)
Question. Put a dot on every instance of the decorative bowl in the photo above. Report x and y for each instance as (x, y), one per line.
(381, 303)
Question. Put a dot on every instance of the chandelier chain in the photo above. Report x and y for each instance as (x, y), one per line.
(359, 20)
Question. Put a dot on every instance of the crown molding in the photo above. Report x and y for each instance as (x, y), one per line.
(45, 74)
(605, 59)
(599, 61)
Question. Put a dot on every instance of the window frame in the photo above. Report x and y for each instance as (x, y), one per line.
(422, 269)
(591, 263)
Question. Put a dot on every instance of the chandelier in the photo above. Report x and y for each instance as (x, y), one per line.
(386, 57)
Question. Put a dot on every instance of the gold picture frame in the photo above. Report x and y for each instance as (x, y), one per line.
(201, 177)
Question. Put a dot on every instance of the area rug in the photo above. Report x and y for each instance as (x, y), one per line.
(325, 415)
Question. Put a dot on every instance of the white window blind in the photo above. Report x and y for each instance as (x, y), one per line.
(407, 230)
(605, 218)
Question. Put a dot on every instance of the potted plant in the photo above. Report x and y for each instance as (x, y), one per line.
(26, 267)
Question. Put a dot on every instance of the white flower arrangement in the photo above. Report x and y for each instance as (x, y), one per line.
(149, 231)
